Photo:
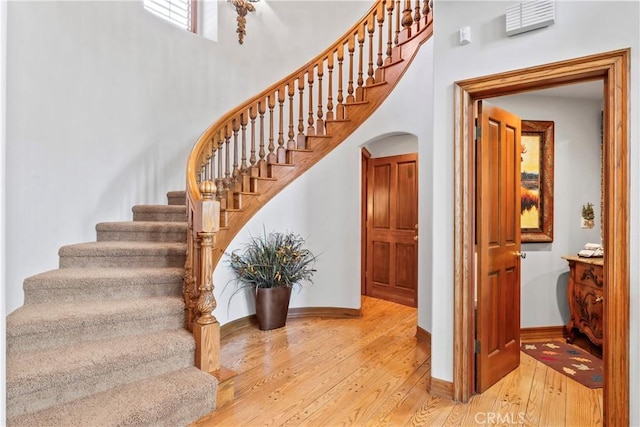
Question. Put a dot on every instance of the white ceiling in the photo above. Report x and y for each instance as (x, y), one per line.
(589, 90)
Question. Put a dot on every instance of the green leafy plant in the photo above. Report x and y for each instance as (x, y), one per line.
(273, 260)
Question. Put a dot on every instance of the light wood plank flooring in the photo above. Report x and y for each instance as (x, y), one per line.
(372, 371)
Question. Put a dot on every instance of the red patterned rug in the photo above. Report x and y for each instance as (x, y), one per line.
(568, 359)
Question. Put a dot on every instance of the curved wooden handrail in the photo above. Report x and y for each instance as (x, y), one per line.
(205, 137)
(255, 150)
(193, 191)
(192, 185)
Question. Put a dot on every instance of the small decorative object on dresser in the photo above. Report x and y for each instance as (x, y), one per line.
(585, 295)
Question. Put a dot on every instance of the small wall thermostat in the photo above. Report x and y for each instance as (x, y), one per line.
(465, 35)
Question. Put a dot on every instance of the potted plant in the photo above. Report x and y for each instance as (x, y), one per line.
(270, 266)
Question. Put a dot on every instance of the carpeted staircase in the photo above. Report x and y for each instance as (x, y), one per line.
(101, 341)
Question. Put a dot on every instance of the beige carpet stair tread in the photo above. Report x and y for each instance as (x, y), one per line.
(177, 194)
(177, 198)
(34, 371)
(121, 254)
(72, 277)
(40, 380)
(159, 208)
(149, 226)
(59, 323)
(87, 284)
(149, 231)
(114, 249)
(160, 213)
(174, 399)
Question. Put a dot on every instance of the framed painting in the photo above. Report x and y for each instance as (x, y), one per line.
(536, 181)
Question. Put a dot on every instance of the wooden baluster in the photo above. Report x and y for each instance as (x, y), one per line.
(360, 89)
(398, 12)
(262, 163)
(425, 11)
(282, 152)
(389, 59)
(380, 61)
(340, 107)
(320, 121)
(311, 130)
(329, 115)
(351, 48)
(244, 167)
(271, 156)
(370, 29)
(202, 176)
(243, 141)
(202, 173)
(214, 154)
(291, 143)
(211, 158)
(206, 168)
(219, 177)
(252, 158)
(416, 16)
(229, 182)
(206, 330)
(235, 174)
(407, 19)
(302, 139)
(227, 158)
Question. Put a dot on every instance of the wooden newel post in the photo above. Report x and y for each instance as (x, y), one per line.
(206, 330)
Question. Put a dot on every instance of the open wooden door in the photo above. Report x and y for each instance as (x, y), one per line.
(392, 229)
(498, 245)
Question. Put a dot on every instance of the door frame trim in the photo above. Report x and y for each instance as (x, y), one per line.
(364, 167)
(613, 68)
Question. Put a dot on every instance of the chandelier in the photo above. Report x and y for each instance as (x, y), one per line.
(242, 8)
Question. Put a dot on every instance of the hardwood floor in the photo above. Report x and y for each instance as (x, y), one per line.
(372, 371)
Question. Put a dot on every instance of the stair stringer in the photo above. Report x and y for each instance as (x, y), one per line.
(337, 132)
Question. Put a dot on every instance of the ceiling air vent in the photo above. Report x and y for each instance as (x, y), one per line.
(530, 15)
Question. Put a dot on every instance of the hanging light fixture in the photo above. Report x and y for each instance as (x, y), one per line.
(242, 8)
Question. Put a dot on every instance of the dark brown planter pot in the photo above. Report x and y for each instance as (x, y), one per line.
(272, 305)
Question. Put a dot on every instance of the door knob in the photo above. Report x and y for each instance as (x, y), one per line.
(522, 255)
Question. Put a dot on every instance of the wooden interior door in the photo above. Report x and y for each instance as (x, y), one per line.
(498, 245)
(392, 229)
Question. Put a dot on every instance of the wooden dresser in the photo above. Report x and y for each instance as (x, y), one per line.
(585, 294)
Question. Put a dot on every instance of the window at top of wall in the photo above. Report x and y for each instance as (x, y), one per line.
(183, 13)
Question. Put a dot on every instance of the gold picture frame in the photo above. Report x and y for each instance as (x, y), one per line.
(536, 181)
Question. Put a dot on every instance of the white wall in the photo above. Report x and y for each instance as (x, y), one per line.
(105, 100)
(3, 147)
(393, 145)
(581, 28)
(544, 274)
(323, 205)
